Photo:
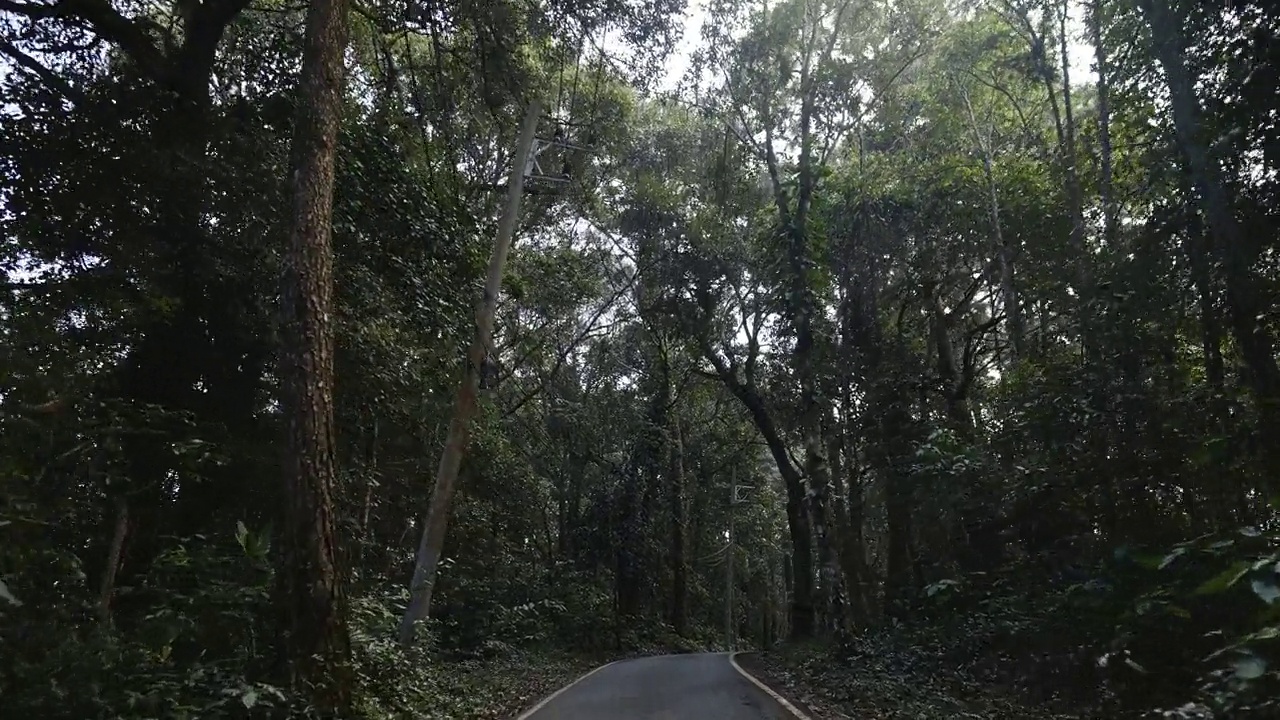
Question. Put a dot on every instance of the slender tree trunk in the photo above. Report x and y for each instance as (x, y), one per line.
(851, 554)
(630, 541)
(369, 472)
(317, 650)
(1075, 199)
(679, 563)
(431, 545)
(119, 530)
(948, 368)
(856, 547)
(898, 573)
(1006, 253)
(1064, 127)
(1194, 246)
(1106, 190)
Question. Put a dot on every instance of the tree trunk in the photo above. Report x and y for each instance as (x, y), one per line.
(949, 372)
(1193, 245)
(817, 466)
(679, 563)
(802, 625)
(851, 552)
(1105, 189)
(317, 650)
(1075, 199)
(890, 442)
(630, 543)
(1006, 253)
(1245, 301)
(798, 525)
(431, 544)
(1063, 117)
(119, 530)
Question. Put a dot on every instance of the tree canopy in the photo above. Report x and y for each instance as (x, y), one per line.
(909, 341)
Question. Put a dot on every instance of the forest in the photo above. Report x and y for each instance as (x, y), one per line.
(925, 348)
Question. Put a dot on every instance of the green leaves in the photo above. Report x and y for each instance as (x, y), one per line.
(1224, 580)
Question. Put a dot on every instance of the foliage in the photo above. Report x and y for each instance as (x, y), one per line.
(990, 342)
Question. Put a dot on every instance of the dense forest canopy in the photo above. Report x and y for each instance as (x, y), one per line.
(931, 338)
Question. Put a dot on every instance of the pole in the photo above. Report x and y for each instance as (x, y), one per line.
(728, 562)
(433, 532)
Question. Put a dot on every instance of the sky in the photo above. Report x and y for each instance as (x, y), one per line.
(678, 63)
(1079, 53)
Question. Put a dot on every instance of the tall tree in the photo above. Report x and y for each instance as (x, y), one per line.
(316, 649)
(1246, 301)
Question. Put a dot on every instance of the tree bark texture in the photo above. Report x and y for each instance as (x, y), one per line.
(316, 651)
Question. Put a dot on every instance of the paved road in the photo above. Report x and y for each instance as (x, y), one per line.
(669, 687)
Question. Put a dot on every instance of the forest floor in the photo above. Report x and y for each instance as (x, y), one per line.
(880, 685)
(499, 688)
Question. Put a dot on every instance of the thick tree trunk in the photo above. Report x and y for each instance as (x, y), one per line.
(826, 535)
(802, 616)
(316, 651)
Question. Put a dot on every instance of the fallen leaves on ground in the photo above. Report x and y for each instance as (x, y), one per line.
(880, 680)
(501, 688)
(497, 688)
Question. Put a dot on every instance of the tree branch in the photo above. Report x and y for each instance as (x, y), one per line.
(49, 78)
(104, 21)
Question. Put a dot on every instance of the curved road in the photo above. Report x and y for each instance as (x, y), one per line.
(703, 686)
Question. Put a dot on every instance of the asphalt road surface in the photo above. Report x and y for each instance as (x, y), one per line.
(703, 686)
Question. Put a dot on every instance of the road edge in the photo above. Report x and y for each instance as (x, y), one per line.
(785, 703)
(545, 701)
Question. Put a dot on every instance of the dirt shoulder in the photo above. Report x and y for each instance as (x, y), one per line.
(881, 686)
(767, 670)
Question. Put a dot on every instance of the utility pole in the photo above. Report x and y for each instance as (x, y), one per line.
(433, 532)
(735, 497)
(728, 564)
